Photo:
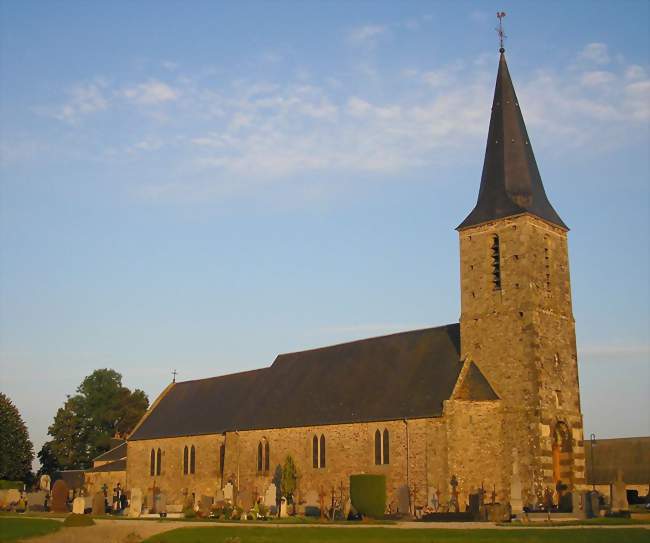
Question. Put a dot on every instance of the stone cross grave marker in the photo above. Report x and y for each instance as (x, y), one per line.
(516, 503)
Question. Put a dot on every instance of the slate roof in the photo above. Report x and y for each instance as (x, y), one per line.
(74, 478)
(118, 465)
(404, 375)
(629, 454)
(510, 183)
(116, 453)
(475, 386)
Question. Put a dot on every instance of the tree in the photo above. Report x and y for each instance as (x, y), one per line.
(16, 450)
(289, 479)
(83, 427)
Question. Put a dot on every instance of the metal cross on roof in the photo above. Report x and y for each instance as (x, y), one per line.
(502, 34)
(174, 373)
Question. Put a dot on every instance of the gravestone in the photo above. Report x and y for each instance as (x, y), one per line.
(269, 495)
(347, 508)
(36, 500)
(78, 505)
(218, 496)
(312, 504)
(579, 504)
(205, 505)
(160, 503)
(13, 496)
(60, 497)
(135, 507)
(475, 505)
(3, 499)
(283, 508)
(516, 503)
(403, 499)
(619, 494)
(99, 504)
(44, 482)
(594, 505)
(228, 492)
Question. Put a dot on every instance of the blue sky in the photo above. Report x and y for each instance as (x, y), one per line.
(203, 185)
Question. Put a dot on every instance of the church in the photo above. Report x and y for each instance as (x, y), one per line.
(492, 401)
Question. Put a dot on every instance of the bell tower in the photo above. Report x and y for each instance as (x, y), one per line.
(516, 320)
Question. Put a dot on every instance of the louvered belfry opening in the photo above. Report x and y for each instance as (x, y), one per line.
(496, 263)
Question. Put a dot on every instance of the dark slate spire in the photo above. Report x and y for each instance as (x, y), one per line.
(510, 183)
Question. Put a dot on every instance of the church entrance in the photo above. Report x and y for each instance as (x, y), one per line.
(562, 459)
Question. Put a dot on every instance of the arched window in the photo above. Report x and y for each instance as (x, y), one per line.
(386, 450)
(378, 447)
(222, 458)
(267, 455)
(259, 456)
(496, 263)
(322, 451)
(314, 451)
(192, 460)
(152, 467)
(158, 462)
(185, 461)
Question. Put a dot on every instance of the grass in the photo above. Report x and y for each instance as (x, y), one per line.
(12, 529)
(378, 535)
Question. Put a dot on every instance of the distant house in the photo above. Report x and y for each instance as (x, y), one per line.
(629, 456)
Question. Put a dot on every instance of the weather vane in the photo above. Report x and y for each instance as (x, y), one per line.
(502, 34)
(174, 373)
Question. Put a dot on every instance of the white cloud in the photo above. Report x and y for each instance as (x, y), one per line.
(595, 52)
(367, 35)
(84, 99)
(152, 92)
(635, 71)
(597, 77)
(614, 352)
(170, 65)
(241, 134)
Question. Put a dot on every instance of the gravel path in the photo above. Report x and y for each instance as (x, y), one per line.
(133, 531)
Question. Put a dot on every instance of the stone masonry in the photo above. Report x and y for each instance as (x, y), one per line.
(522, 336)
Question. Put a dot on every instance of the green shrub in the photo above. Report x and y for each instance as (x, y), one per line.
(368, 494)
(189, 512)
(78, 520)
(6, 485)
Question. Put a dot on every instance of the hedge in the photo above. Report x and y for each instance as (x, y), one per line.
(6, 485)
(368, 494)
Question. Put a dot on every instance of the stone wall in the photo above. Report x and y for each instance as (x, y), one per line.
(522, 337)
(475, 447)
(95, 480)
(349, 450)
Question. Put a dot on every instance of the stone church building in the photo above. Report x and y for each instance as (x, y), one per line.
(492, 400)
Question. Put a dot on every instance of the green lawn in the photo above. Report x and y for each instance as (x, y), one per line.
(12, 529)
(372, 535)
